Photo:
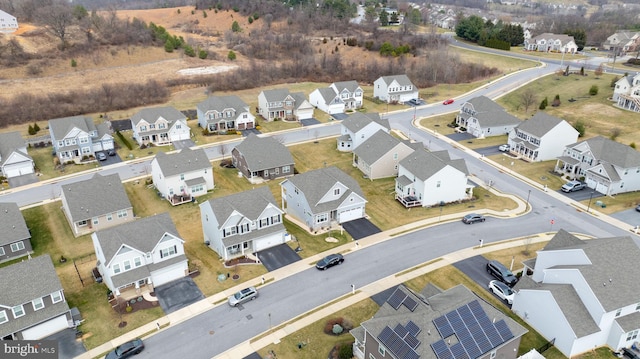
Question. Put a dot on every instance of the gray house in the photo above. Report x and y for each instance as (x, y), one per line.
(15, 240)
(483, 118)
(379, 155)
(262, 158)
(96, 203)
(437, 324)
(358, 127)
(222, 114)
(32, 302)
(14, 160)
(78, 138)
(322, 197)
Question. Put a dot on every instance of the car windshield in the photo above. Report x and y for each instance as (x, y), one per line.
(124, 348)
(238, 295)
(323, 261)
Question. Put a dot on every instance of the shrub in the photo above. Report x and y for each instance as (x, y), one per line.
(337, 329)
(556, 101)
(632, 145)
(593, 90)
(31, 131)
(202, 54)
(189, 51)
(124, 140)
(256, 16)
(36, 127)
(204, 14)
(544, 104)
(231, 56)
(580, 127)
(74, 63)
(235, 27)
(615, 132)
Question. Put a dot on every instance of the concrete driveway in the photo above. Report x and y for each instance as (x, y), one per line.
(68, 345)
(360, 228)
(22, 180)
(476, 269)
(278, 257)
(178, 294)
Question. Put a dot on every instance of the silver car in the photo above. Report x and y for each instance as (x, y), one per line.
(242, 296)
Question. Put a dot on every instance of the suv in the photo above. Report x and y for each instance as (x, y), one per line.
(573, 186)
(242, 296)
(415, 102)
(501, 273)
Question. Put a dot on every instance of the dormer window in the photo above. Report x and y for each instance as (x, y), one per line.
(336, 191)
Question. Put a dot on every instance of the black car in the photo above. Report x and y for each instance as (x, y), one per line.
(473, 218)
(638, 208)
(501, 273)
(126, 350)
(329, 261)
(629, 353)
(111, 152)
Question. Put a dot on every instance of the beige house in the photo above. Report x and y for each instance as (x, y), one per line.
(379, 155)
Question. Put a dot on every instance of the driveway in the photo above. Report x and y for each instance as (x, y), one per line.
(360, 228)
(461, 136)
(583, 195)
(488, 151)
(178, 145)
(22, 180)
(178, 294)
(476, 269)
(630, 216)
(110, 160)
(68, 345)
(278, 257)
(309, 122)
(339, 116)
(249, 131)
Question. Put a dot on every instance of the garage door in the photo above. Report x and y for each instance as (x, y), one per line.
(350, 215)
(602, 188)
(17, 170)
(170, 274)
(45, 329)
(267, 242)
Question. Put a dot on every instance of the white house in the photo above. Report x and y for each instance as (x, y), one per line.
(77, 138)
(582, 293)
(282, 104)
(350, 92)
(379, 155)
(182, 176)
(358, 127)
(159, 126)
(322, 197)
(140, 255)
(14, 159)
(482, 117)
(220, 114)
(432, 178)
(326, 99)
(395, 89)
(8, 22)
(627, 92)
(243, 223)
(548, 42)
(541, 138)
(607, 166)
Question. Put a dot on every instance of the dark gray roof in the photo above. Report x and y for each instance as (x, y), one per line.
(11, 142)
(185, 161)
(142, 235)
(358, 120)
(263, 153)
(562, 239)
(299, 98)
(249, 204)
(351, 86)
(376, 146)
(95, 197)
(403, 80)
(489, 114)
(152, 114)
(274, 95)
(629, 322)
(315, 185)
(539, 124)
(327, 93)
(61, 126)
(220, 103)
(614, 152)
(12, 224)
(424, 164)
(24, 281)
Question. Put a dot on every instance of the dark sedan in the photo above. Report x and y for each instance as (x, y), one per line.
(330, 261)
(127, 350)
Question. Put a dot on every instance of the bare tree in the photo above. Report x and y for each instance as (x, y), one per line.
(57, 18)
(528, 98)
(223, 149)
(598, 71)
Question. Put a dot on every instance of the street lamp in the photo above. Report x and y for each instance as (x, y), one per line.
(590, 197)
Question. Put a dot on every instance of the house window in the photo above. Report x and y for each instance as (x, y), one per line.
(110, 217)
(37, 304)
(229, 231)
(95, 220)
(381, 349)
(336, 191)
(161, 126)
(82, 223)
(438, 184)
(18, 246)
(182, 177)
(286, 169)
(18, 311)
(152, 126)
(322, 218)
(371, 356)
(275, 219)
(84, 140)
(56, 297)
(116, 268)
(122, 213)
(143, 128)
(632, 335)
(127, 265)
(618, 312)
(264, 222)
(168, 252)
(1, 251)
(277, 171)
(3, 317)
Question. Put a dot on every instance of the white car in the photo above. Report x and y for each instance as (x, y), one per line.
(502, 291)
(503, 148)
(242, 296)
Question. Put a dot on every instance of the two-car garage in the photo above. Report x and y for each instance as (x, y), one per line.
(47, 328)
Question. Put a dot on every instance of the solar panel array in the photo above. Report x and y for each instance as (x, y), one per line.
(399, 297)
(401, 340)
(476, 333)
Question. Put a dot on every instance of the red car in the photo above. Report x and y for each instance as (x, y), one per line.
(447, 102)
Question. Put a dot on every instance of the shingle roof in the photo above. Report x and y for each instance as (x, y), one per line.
(376, 146)
(564, 39)
(327, 94)
(489, 113)
(299, 98)
(219, 103)
(11, 142)
(424, 164)
(142, 234)
(26, 280)
(185, 161)
(358, 120)
(402, 80)
(264, 153)
(12, 224)
(540, 124)
(614, 152)
(95, 197)
(250, 204)
(61, 126)
(152, 114)
(274, 95)
(351, 86)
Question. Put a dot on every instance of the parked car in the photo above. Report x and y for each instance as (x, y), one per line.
(415, 102)
(503, 148)
(111, 152)
(502, 291)
(501, 273)
(126, 350)
(573, 186)
(101, 156)
(330, 261)
(473, 218)
(243, 296)
(630, 353)
(638, 208)
(447, 102)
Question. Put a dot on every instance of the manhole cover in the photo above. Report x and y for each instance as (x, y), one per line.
(249, 317)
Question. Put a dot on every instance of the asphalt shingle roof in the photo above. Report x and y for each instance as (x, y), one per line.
(614, 152)
(10, 142)
(152, 114)
(489, 114)
(403, 80)
(12, 225)
(249, 204)
(62, 126)
(24, 281)
(220, 103)
(350, 86)
(264, 153)
(358, 120)
(185, 161)
(95, 197)
(327, 93)
(424, 164)
(540, 124)
(376, 146)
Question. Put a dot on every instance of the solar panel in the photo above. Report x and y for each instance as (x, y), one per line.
(413, 328)
(493, 335)
(412, 341)
(458, 351)
(410, 303)
(484, 344)
(395, 300)
(400, 330)
(504, 330)
(441, 349)
(473, 351)
(443, 326)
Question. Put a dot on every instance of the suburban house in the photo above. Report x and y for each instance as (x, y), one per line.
(140, 255)
(582, 293)
(97, 203)
(243, 223)
(77, 138)
(482, 117)
(322, 197)
(159, 126)
(622, 42)
(32, 302)
(395, 89)
(437, 324)
(541, 138)
(627, 92)
(221, 114)
(350, 92)
(358, 127)
(182, 176)
(14, 159)
(338, 97)
(15, 241)
(284, 105)
(607, 166)
(8, 22)
(379, 155)
(432, 178)
(548, 42)
(262, 158)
